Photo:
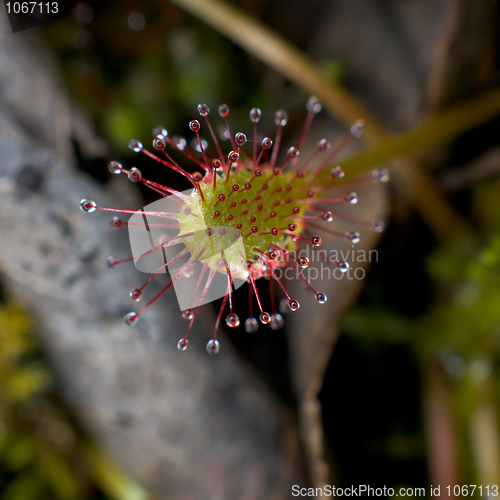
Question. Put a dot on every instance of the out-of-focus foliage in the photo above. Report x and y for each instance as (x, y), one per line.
(465, 319)
(43, 455)
(462, 325)
(129, 75)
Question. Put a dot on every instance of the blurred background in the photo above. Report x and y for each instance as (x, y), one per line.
(396, 384)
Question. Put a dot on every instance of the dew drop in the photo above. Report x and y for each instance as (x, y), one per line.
(196, 145)
(136, 21)
(293, 152)
(88, 205)
(352, 198)
(323, 145)
(303, 262)
(179, 142)
(135, 294)
(182, 344)
(197, 177)
(213, 346)
(116, 222)
(267, 143)
(160, 130)
(283, 306)
(223, 110)
(378, 226)
(275, 231)
(343, 266)
(292, 227)
(255, 114)
(293, 304)
(187, 270)
(316, 241)
(327, 216)
(222, 232)
(357, 128)
(159, 143)
(313, 104)
(208, 232)
(111, 262)
(224, 134)
(274, 254)
(233, 156)
(115, 168)
(163, 239)
(281, 118)
(194, 125)
(131, 318)
(188, 314)
(185, 209)
(353, 237)
(337, 173)
(321, 297)
(265, 318)
(381, 175)
(251, 325)
(203, 109)
(135, 145)
(277, 321)
(240, 138)
(134, 174)
(232, 320)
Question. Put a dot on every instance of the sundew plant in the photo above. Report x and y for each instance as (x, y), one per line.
(252, 199)
(248, 215)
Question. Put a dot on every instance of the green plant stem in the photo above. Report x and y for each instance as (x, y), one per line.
(438, 130)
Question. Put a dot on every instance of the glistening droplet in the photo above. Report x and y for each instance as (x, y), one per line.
(213, 346)
(321, 297)
(131, 318)
(88, 205)
(277, 321)
(232, 320)
(251, 325)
